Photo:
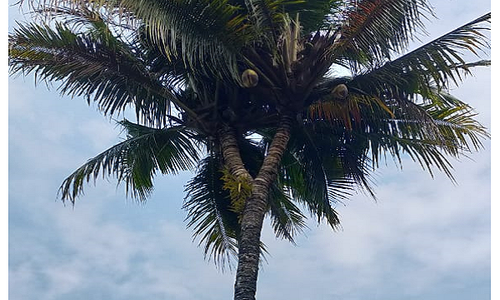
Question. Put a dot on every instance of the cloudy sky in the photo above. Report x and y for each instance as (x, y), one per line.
(424, 239)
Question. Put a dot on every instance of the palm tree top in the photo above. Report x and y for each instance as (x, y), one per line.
(205, 76)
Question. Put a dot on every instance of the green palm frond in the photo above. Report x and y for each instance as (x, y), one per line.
(433, 64)
(216, 222)
(393, 120)
(400, 86)
(94, 64)
(210, 33)
(136, 160)
(210, 214)
(442, 59)
(314, 188)
(455, 120)
(319, 170)
(206, 34)
(373, 30)
(337, 153)
(448, 129)
(316, 14)
(265, 17)
(348, 112)
(287, 219)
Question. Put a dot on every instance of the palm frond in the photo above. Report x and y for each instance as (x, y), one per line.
(374, 29)
(421, 77)
(393, 119)
(209, 213)
(319, 170)
(442, 59)
(94, 64)
(207, 35)
(455, 120)
(136, 160)
(448, 128)
(210, 33)
(433, 64)
(314, 188)
(316, 14)
(286, 218)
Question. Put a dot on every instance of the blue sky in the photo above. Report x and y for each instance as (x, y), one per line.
(424, 239)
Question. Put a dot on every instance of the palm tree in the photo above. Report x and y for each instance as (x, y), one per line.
(277, 106)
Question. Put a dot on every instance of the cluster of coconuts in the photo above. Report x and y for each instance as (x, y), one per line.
(250, 78)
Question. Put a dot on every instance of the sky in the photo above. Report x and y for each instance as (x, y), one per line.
(425, 238)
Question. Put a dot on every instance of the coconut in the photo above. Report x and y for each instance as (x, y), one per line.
(249, 78)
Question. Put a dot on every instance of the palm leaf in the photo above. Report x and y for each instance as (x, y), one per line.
(448, 128)
(96, 65)
(442, 59)
(432, 64)
(136, 160)
(286, 218)
(316, 14)
(207, 33)
(392, 120)
(210, 213)
(319, 170)
(373, 30)
(399, 86)
(213, 217)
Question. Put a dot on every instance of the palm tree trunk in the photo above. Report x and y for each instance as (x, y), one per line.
(253, 215)
(231, 153)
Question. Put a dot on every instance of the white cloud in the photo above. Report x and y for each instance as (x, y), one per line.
(99, 133)
(97, 253)
(63, 279)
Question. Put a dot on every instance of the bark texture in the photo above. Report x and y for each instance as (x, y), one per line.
(231, 153)
(245, 285)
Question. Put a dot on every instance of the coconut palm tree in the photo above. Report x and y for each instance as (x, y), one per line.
(281, 108)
